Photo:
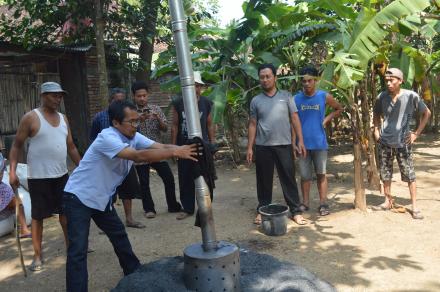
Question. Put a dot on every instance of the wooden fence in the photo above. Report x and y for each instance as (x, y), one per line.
(19, 93)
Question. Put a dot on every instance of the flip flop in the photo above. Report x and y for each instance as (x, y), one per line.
(135, 225)
(300, 221)
(398, 209)
(380, 207)
(36, 266)
(29, 235)
(182, 215)
(150, 215)
(417, 215)
(324, 210)
(303, 208)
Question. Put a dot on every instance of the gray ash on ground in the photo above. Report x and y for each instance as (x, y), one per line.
(259, 272)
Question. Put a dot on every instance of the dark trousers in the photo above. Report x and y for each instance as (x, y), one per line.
(280, 156)
(186, 185)
(165, 173)
(78, 224)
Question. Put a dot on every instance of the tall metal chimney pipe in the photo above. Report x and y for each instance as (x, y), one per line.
(178, 19)
(209, 266)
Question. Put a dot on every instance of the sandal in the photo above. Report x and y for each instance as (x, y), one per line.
(303, 207)
(417, 215)
(381, 207)
(36, 265)
(182, 215)
(135, 225)
(29, 235)
(299, 219)
(150, 215)
(324, 210)
(257, 220)
(398, 209)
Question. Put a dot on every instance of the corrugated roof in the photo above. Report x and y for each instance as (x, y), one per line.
(70, 48)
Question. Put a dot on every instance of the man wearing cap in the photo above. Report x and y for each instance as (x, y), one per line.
(393, 111)
(130, 185)
(50, 140)
(179, 136)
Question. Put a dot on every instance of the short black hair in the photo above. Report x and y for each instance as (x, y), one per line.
(137, 85)
(267, 66)
(116, 110)
(309, 70)
(116, 90)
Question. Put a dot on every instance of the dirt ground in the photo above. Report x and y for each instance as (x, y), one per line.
(353, 250)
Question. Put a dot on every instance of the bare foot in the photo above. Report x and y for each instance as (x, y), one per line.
(257, 220)
(299, 219)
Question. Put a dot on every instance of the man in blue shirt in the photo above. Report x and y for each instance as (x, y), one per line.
(130, 186)
(88, 192)
(311, 105)
(101, 120)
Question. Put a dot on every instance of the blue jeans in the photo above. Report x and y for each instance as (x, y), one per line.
(78, 224)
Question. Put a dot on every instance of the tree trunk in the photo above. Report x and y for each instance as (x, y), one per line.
(434, 109)
(100, 53)
(372, 173)
(359, 195)
(232, 129)
(146, 47)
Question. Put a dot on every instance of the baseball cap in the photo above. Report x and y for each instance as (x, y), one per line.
(394, 72)
(48, 87)
(198, 77)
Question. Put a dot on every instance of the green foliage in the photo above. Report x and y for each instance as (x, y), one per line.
(35, 23)
(340, 37)
(368, 37)
(305, 31)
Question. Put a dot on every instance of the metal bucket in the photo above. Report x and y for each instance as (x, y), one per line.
(274, 219)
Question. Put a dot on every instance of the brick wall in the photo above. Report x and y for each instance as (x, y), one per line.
(94, 102)
(156, 97)
(162, 99)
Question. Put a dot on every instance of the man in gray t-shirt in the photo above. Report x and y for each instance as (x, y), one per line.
(272, 115)
(393, 112)
(273, 122)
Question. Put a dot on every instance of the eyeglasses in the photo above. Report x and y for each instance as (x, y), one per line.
(133, 123)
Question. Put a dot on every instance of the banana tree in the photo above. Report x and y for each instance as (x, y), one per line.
(360, 44)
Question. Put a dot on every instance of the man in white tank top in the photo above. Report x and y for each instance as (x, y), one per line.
(50, 140)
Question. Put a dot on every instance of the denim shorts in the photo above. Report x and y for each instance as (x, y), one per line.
(316, 159)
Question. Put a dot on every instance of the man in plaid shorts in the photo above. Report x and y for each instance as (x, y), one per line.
(393, 112)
